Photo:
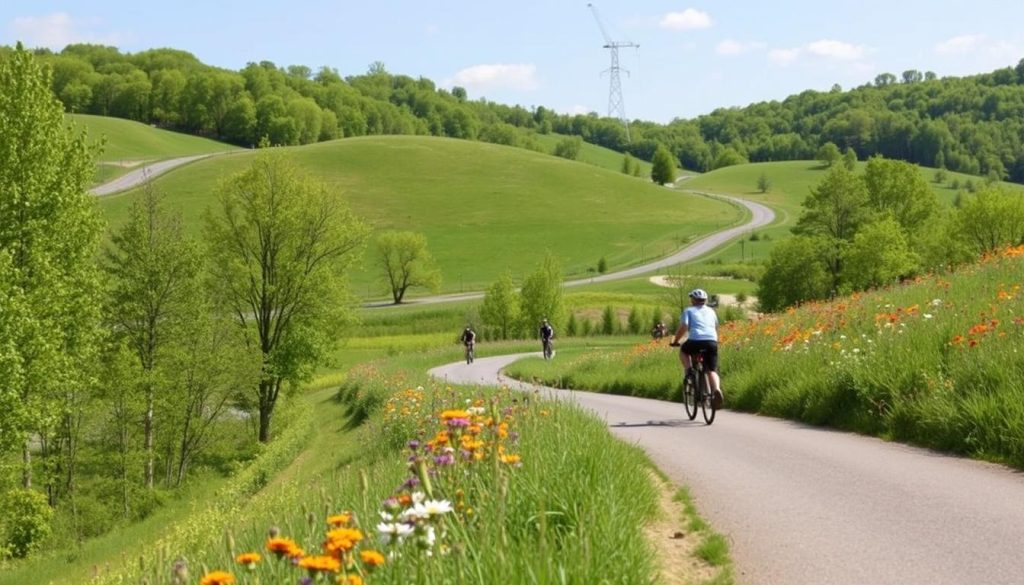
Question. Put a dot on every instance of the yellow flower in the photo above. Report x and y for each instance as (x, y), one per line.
(218, 578)
(450, 414)
(339, 519)
(320, 563)
(342, 540)
(248, 559)
(510, 459)
(371, 558)
(351, 580)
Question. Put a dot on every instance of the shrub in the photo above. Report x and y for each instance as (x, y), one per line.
(25, 521)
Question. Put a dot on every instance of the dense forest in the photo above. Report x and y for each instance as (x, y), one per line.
(970, 124)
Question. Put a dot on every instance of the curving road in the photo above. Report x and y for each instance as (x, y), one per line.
(808, 505)
(761, 216)
(138, 176)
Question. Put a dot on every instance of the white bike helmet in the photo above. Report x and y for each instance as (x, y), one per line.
(698, 294)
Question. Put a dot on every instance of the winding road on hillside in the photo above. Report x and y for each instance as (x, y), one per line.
(761, 216)
(138, 176)
(801, 504)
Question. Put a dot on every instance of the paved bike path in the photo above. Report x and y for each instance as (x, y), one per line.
(806, 505)
(149, 171)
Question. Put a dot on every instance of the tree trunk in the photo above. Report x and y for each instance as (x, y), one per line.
(26, 470)
(148, 426)
(268, 396)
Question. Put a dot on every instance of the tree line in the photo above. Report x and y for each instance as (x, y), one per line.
(861, 230)
(127, 363)
(970, 124)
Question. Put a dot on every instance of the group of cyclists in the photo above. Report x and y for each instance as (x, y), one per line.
(698, 323)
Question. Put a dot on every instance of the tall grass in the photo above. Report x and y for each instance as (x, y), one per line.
(938, 362)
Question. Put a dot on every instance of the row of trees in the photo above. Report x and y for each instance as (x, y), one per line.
(971, 124)
(123, 363)
(864, 230)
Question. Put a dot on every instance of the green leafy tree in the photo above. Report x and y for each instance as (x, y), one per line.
(828, 154)
(500, 308)
(634, 321)
(850, 159)
(154, 272)
(280, 245)
(627, 164)
(663, 166)
(728, 157)
(405, 262)
(834, 210)
(49, 235)
(764, 185)
(897, 188)
(797, 271)
(991, 218)
(541, 296)
(602, 265)
(569, 147)
(25, 521)
(878, 255)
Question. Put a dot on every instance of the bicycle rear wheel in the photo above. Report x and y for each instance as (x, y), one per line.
(689, 398)
(706, 405)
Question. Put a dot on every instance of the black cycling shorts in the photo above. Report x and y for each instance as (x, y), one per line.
(710, 348)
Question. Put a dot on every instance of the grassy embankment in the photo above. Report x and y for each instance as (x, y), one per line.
(575, 510)
(483, 208)
(938, 363)
(130, 144)
(592, 154)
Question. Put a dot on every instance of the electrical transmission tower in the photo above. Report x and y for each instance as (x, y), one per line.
(616, 105)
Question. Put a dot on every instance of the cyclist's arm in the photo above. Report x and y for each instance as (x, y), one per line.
(680, 333)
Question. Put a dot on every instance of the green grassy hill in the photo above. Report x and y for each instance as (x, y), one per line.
(483, 207)
(593, 154)
(130, 143)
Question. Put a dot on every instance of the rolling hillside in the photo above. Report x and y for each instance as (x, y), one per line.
(129, 144)
(483, 207)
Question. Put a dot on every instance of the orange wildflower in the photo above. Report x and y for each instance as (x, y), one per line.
(217, 578)
(353, 580)
(342, 540)
(371, 558)
(284, 547)
(249, 559)
(322, 564)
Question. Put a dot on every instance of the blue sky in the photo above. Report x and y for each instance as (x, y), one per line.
(693, 56)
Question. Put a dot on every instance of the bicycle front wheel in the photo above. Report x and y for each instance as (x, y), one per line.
(706, 404)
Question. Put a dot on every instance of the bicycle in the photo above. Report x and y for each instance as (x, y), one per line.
(470, 353)
(697, 390)
(549, 351)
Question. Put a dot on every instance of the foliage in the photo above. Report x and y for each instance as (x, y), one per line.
(280, 246)
(500, 308)
(569, 147)
(663, 169)
(541, 297)
(24, 522)
(991, 218)
(48, 241)
(879, 255)
(764, 184)
(796, 272)
(406, 263)
(828, 154)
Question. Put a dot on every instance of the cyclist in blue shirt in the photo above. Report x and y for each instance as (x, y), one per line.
(699, 323)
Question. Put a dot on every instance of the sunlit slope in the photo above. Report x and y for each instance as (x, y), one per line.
(483, 207)
(130, 144)
(593, 154)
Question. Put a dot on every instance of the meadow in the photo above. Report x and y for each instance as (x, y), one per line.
(593, 154)
(484, 208)
(937, 362)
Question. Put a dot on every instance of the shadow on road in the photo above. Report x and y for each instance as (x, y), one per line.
(672, 422)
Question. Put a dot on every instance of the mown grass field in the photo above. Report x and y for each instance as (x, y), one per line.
(127, 140)
(939, 363)
(484, 208)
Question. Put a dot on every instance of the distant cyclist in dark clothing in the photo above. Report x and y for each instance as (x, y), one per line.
(547, 333)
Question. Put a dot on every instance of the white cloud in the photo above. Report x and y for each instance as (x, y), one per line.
(733, 47)
(688, 19)
(56, 31)
(522, 77)
(783, 56)
(577, 109)
(833, 49)
(960, 44)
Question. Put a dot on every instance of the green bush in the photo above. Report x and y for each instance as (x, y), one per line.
(24, 522)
